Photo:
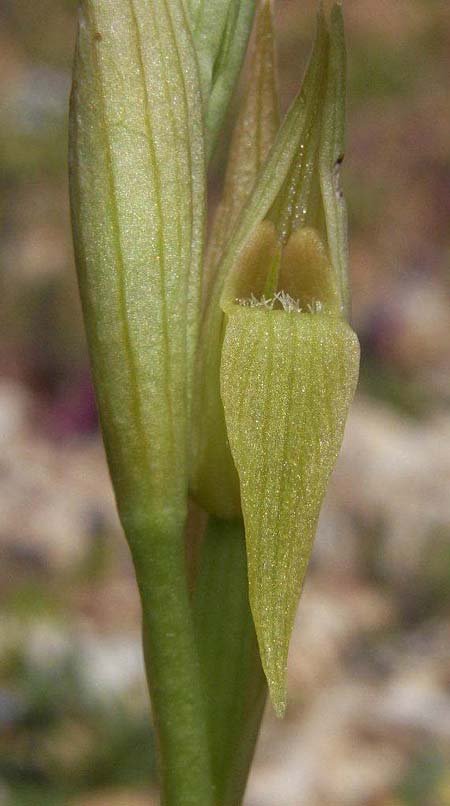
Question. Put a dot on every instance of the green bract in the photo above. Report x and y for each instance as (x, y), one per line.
(134, 151)
(220, 29)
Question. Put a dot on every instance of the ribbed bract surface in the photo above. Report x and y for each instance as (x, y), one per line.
(138, 203)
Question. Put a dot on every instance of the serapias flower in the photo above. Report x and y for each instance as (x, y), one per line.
(287, 358)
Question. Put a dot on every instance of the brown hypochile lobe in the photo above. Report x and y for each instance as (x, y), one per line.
(296, 276)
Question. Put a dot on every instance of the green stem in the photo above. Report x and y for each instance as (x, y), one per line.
(232, 675)
(172, 668)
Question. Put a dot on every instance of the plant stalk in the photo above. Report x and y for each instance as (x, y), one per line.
(233, 679)
(172, 668)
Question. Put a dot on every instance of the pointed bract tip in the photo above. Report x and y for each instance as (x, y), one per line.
(274, 663)
(279, 706)
(277, 694)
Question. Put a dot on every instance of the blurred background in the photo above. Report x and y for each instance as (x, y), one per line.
(368, 722)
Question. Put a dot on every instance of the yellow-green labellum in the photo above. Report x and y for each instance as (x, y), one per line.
(287, 381)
